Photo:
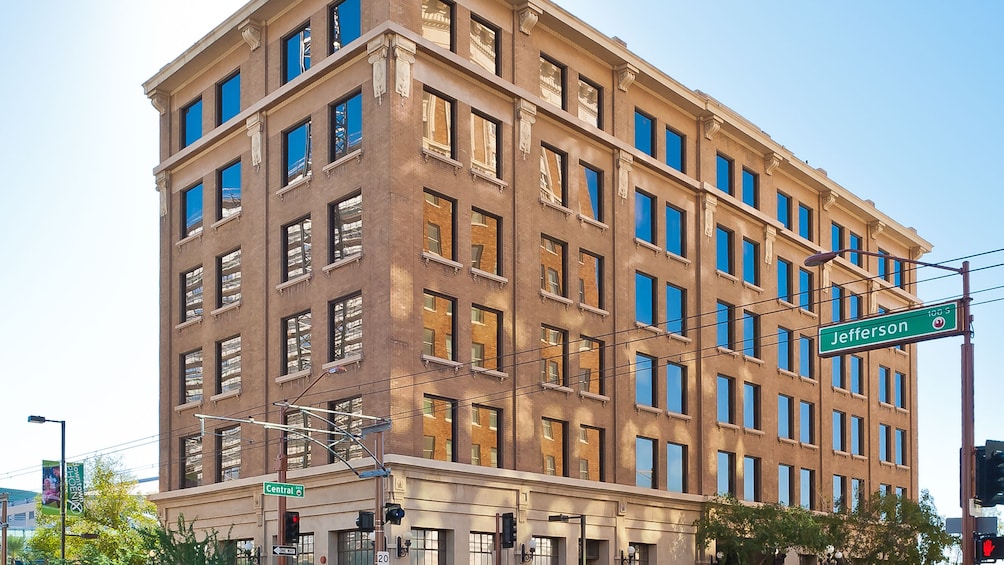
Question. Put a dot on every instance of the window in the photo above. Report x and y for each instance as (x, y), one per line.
(676, 467)
(805, 295)
(857, 493)
(346, 314)
(346, 126)
(228, 364)
(836, 237)
(723, 173)
(644, 462)
(228, 98)
(296, 53)
(784, 287)
(591, 193)
(676, 309)
(439, 225)
(805, 357)
(839, 437)
(354, 547)
(590, 279)
(839, 493)
(785, 351)
(900, 447)
(644, 383)
(807, 487)
(485, 146)
(675, 146)
(228, 182)
(884, 384)
(726, 473)
(191, 467)
(191, 123)
(785, 417)
(591, 453)
(837, 303)
(590, 365)
(590, 102)
(899, 390)
(751, 188)
(644, 132)
(229, 454)
(806, 423)
(437, 23)
(438, 428)
(296, 249)
(486, 441)
(883, 438)
(484, 45)
(805, 221)
(882, 264)
(438, 326)
(897, 274)
(725, 325)
(784, 210)
(751, 262)
(345, 220)
(644, 221)
(854, 242)
(552, 81)
(553, 447)
(552, 266)
(191, 376)
(486, 338)
(675, 231)
(857, 435)
(228, 267)
(481, 547)
(296, 153)
(437, 125)
(676, 388)
(191, 203)
(486, 242)
(839, 377)
(552, 176)
(553, 355)
(857, 374)
(296, 353)
(751, 478)
(644, 299)
(345, 22)
(854, 306)
(751, 406)
(723, 250)
(191, 288)
(751, 334)
(346, 421)
(726, 400)
(785, 484)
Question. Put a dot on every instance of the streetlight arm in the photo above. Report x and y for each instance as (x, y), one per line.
(827, 256)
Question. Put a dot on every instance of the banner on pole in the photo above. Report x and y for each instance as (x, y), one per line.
(52, 483)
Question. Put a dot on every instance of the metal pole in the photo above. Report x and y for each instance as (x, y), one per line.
(582, 539)
(968, 417)
(379, 542)
(62, 491)
(3, 531)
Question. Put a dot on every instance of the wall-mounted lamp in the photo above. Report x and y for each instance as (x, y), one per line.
(631, 551)
(524, 555)
(718, 558)
(404, 544)
(833, 556)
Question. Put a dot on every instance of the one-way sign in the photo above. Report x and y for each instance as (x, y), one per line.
(283, 550)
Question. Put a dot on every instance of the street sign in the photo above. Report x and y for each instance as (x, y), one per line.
(282, 489)
(283, 550)
(908, 326)
(984, 525)
(383, 557)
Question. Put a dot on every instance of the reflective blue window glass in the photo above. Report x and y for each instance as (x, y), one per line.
(836, 237)
(644, 224)
(674, 231)
(856, 370)
(883, 442)
(723, 177)
(644, 290)
(592, 185)
(784, 351)
(784, 416)
(676, 467)
(644, 464)
(191, 123)
(751, 406)
(805, 221)
(854, 303)
(296, 54)
(784, 210)
(676, 388)
(751, 335)
(839, 379)
(806, 488)
(723, 326)
(805, 290)
(899, 390)
(784, 485)
(806, 425)
(854, 242)
(836, 303)
(883, 384)
(644, 134)
(883, 265)
(228, 98)
(723, 250)
(751, 273)
(675, 309)
(345, 23)
(346, 126)
(230, 191)
(784, 290)
(192, 205)
(644, 386)
(805, 353)
(750, 189)
(857, 435)
(751, 478)
(296, 145)
(726, 403)
(726, 472)
(674, 149)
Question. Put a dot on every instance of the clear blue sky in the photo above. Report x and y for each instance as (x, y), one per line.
(899, 101)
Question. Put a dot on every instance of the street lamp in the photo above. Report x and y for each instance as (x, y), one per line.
(62, 480)
(968, 441)
(631, 550)
(833, 556)
(526, 555)
(582, 531)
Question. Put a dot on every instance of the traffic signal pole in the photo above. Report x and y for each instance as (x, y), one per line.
(968, 479)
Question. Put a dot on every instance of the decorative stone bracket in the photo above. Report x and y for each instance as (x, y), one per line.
(255, 126)
(712, 124)
(529, 14)
(251, 32)
(771, 161)
(404, 57)
(625, 162)
(709, 204)
(626, 73)
(769, 236)
(163, 187)
(526, 115)
(160, 100)
(378, 49)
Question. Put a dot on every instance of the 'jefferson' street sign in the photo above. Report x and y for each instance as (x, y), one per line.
(908, 326)
(282, 489)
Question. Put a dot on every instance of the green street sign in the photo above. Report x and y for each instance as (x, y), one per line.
(282, 489)
(908, 326)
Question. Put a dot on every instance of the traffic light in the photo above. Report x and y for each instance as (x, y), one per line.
(508, 530)
(291, 523)
(989, 549)
(365, 521)
(392, 513)
(990, 474)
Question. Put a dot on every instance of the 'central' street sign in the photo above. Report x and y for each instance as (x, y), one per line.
(908, 326)
(282, 489)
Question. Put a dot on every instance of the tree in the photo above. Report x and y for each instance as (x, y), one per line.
(111, 510)
(183, 545)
